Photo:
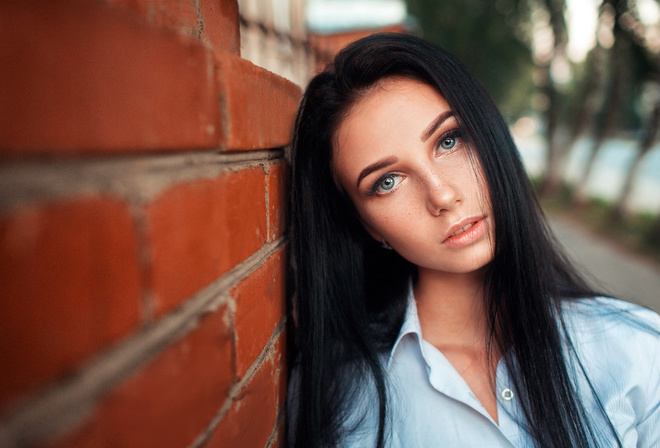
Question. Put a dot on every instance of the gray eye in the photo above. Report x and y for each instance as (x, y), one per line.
(448, 143)
(387, 183)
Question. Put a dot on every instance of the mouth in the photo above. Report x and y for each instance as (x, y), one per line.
(462, 229)
(466, 232)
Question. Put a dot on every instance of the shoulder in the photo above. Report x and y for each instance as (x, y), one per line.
(605, 317)
(624, 330)
(618, 348)
(617, 343)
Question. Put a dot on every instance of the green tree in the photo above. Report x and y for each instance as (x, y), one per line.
(490, 38)
(622, 79)
(648, 75)
(556, 143)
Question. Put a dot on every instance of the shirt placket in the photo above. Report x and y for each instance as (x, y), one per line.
(508, 407)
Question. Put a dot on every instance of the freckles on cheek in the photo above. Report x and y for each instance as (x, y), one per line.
(389, 216)
(380, 221)
(376, 220)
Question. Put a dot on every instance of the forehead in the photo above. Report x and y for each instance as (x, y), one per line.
(388, 119)
(393, 94)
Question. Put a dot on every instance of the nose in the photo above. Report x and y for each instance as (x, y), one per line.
(441, 194)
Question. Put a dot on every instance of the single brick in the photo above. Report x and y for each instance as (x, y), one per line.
(221, 25)
(80, 76)
(199, 230)
(259, 308)
(170, 401)
(258, 107)
(276, 184)
(70, 286)
(251, 418)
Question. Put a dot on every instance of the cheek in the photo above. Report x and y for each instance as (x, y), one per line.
(375, 223)
(392, 221)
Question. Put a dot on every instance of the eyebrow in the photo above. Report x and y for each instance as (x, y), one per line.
(428, 132)
(375, 167)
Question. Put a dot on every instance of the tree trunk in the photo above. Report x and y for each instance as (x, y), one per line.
(621, 208)
(653, 237)
(608, 121)
(552, 176)
(593, 93)
(580, 196)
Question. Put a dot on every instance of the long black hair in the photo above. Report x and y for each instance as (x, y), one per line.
(345, 314)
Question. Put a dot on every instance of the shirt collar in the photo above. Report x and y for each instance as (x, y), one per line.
(410, 325)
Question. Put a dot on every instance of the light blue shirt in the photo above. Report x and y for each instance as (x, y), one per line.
(432, 406)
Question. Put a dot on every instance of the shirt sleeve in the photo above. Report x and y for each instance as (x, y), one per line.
(618, 344)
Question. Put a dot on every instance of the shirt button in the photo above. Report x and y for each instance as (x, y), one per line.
(507, 394)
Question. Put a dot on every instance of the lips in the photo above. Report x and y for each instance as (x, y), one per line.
(465, 232)
(461, 230)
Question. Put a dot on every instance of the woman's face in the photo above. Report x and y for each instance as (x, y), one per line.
(401, 157)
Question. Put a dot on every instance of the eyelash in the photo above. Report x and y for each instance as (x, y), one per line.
(376, 185)
(455, 134)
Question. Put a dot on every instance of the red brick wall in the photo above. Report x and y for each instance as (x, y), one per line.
(141, 227)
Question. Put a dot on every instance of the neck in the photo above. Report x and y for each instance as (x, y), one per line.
(451, 307)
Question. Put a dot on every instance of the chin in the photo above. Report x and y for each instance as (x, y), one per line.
(474, 265)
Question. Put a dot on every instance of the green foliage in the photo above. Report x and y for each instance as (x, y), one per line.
(487, 36)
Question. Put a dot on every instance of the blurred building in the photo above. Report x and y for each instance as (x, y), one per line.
(274, 36)
(332, 24)
(298, 38)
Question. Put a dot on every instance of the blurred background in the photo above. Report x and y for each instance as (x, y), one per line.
(578, 81)
(143, 190)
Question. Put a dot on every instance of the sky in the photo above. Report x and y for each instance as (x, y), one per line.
(334, 15)
(582, 18)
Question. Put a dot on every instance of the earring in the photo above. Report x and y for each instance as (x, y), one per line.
(384, 244)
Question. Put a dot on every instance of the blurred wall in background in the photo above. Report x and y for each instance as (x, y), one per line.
(297, 38)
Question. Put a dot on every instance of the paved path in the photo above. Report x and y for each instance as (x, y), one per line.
(622, 274)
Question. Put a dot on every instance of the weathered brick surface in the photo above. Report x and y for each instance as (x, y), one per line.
(178, 15)
(170, 401)
(81, 275)
(215, 22)
(276, 183)
(78, 76)
(259, 308)
(258, 107)
(280, 374)
(201, 229)
(220, 25)
(70, 286)
(280, 436)
(251, 419)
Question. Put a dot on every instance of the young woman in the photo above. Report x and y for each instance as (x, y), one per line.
(430, 304)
